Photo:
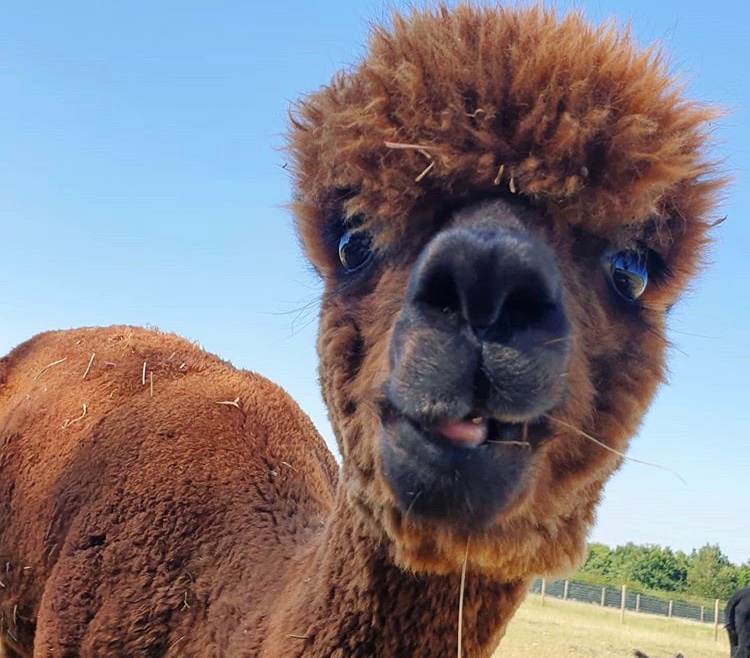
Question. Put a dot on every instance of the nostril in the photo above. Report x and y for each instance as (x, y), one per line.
(522, 309)
(525, 307)
(438, 290)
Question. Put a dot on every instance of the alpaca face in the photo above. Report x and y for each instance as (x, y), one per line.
(499, 240)
(460, 360)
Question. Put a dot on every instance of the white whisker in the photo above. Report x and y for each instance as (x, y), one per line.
(524, 444)
(459, 648)
(612, 450)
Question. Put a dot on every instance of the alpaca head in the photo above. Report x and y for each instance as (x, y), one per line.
(503, 205)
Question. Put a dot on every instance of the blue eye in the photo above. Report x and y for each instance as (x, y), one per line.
(354, 250)
(627, 272)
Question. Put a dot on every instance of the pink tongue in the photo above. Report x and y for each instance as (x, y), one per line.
(464, 431)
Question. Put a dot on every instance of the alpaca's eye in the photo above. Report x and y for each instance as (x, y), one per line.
(627, 272)
(354, 250)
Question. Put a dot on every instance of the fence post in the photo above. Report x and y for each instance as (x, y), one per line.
(565, 590)
(716, 620)
(604, 595)
(637, 602)
(623, 596)
(544, 589)
(703, 613)
(671, 605)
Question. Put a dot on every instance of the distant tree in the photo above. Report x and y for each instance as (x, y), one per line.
(710, 573)
(683, 560)
(706, 572)
(598, 560)
(743, 575)
(660, 568)
(624, 559)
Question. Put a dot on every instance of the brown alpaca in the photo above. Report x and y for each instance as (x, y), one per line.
(502, 206)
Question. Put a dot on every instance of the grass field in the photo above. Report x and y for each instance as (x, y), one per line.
(567, 629)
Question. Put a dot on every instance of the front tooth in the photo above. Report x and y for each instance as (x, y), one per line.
(477, 420)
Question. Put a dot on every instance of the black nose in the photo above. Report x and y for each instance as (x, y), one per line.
(500, 282)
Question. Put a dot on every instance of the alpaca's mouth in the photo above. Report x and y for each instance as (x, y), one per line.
(457, 471)
(476, 430)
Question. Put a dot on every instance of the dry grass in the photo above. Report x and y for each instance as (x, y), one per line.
(567, 629)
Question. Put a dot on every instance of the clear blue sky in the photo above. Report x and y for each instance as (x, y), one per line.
(141, 181)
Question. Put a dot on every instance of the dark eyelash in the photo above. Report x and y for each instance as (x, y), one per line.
(337, 223)
(659, 269)
(333, 228)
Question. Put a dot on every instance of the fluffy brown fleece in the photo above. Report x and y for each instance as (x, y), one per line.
(201, 517)
(450, 106)
(140, 500)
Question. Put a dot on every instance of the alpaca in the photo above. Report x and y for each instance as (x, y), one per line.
(502, 205)
(737, 615)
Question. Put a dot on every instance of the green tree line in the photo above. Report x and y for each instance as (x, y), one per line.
(706, 572)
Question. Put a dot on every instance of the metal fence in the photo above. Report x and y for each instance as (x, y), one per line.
(627, 600)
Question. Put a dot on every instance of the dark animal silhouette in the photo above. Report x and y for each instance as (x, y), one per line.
(737, 615)
(502, 205)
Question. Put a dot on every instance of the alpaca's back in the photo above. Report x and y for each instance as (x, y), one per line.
(137, 473)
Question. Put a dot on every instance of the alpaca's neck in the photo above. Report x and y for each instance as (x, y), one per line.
(347, 598)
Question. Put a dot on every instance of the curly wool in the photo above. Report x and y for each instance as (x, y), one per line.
(466, 101)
